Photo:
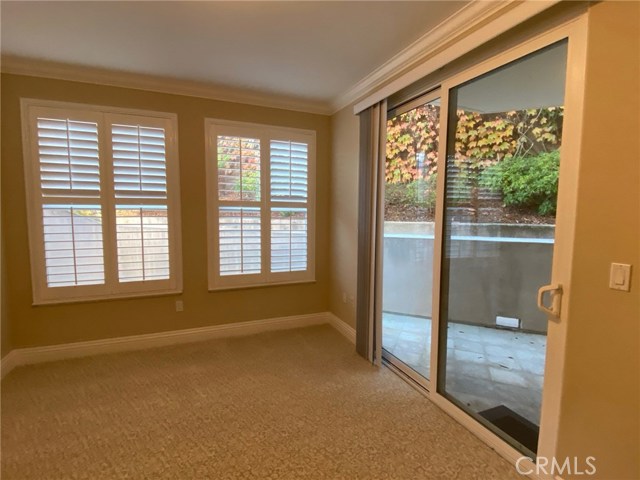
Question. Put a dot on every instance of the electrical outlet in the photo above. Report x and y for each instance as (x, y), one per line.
(179, 306)
(508, 322)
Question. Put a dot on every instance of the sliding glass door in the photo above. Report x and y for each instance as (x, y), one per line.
(470, 265)
(503, 153)
(411, 170)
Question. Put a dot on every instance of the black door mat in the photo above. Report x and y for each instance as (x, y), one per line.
(514, 425)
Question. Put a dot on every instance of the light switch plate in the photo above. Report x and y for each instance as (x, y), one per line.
(620, 277)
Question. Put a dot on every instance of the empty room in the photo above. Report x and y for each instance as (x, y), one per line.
(320, 239)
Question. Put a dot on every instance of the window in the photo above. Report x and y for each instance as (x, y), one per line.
(261, 204)
(102, 194)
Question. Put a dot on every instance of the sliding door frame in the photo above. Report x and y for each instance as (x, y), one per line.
(387, 356)
(573, 29)
(575, 32)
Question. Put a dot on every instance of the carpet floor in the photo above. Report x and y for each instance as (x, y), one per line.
(280, 405)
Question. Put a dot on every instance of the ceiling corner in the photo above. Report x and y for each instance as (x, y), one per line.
(454, 27)
(41, 68)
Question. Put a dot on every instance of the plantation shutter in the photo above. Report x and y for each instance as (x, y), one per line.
(102, 201)
(289, 188)
(289, 171)
(138, 146)
(69, 195)
(259, 187)
(289, 239)
(238, 168)
(239, 213)
(139, 161)
(240, 241)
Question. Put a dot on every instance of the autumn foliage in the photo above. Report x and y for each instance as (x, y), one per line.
(482, 141)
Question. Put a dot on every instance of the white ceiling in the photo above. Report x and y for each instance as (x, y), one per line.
(307, 51)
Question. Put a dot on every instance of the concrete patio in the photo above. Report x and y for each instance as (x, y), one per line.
(486, 367)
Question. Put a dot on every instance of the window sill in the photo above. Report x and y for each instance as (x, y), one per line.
(259, 285)
(109, 297)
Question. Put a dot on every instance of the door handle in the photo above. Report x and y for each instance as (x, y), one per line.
(555, 294)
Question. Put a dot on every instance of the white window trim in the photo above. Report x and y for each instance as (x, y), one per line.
(112, 288)
(215, 127)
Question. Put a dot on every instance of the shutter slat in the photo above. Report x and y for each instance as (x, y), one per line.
(240, 245)
(289, 245)
(70, 149)
(238, 172)
(142, 236)
(289, 171)
(73, 248)
(139, 160)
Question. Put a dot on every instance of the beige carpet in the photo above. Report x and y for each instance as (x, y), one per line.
(287, 405)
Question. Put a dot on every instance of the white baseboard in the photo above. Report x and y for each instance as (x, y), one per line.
(27, 356)
(8, 363)
(341, 326)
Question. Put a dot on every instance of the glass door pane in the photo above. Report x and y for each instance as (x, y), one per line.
(503, 154)
(409, 209)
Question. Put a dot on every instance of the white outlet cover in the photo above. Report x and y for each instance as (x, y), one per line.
(509, 322)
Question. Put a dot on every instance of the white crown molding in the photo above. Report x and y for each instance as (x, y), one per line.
(476, 23)
(28, 356)
(446, 31)
(60, 71)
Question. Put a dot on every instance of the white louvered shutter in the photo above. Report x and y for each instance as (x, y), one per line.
(102, 187)
(141, 200)
(239, 213)
(240, 240)
(238, 168)
(289, 171)
(289, 239)
(69, 197)
(260, 210)
(289, 168)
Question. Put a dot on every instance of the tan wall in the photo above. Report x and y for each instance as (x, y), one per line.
(5, 328)
(344, 214)
(5, 334)
(45, 325)
(601, 402)
(601, 396)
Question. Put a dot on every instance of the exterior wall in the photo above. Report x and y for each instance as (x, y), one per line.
(488, 278)
(47, 325)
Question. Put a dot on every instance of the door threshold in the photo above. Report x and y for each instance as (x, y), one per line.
(493, 441)
(423, 389)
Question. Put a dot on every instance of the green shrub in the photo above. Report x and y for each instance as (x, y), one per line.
(530, 182)
(250, 182)
(419, 193)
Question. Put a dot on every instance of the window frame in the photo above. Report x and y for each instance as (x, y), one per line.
(265, 133)
(112, 288)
